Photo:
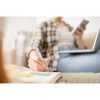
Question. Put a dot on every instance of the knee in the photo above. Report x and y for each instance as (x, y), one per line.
(82, 62)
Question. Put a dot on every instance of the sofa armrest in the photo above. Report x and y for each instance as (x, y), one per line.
(89, 39)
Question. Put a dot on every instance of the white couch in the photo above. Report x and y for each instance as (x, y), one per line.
(89, 39)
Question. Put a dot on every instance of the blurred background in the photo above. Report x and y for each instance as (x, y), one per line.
(18, 32)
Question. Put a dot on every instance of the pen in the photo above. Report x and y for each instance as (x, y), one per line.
(40, 56)
(38, 62)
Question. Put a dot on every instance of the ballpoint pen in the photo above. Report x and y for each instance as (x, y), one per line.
(38, 62)
(40, 56)
(46, 68)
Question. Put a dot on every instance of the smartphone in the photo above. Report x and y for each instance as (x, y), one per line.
(82, 23)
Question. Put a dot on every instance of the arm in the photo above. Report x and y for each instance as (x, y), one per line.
(35, 62)
(35, 40)
(79, 43)
(31, 52)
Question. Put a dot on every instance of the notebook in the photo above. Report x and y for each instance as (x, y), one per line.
(21, 74)
(39, 77)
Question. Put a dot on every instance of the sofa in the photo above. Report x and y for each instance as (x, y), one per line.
(89, 39)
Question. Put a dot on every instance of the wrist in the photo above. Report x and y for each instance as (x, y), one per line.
(30, 52)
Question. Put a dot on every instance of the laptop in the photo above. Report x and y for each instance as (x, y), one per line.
(95, 46)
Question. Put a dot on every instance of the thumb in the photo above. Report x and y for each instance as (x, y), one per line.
(47, 60)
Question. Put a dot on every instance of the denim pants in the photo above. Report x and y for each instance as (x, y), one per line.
(82, 62)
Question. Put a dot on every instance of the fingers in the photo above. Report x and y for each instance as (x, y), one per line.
(79, 30)
(32, 65)
(36, 66)
(33, 55)
(40, 68)
(31, 62)
(32, 68)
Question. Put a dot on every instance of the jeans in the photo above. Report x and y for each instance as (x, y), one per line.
(84, 62)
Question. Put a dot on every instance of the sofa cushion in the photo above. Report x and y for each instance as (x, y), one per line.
(89, 39)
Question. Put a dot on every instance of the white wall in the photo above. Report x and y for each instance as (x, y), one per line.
(14, 25)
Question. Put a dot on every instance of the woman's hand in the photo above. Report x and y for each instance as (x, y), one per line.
(78, 34)
(37, 64)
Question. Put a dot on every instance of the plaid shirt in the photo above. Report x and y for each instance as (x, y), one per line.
(46, 38)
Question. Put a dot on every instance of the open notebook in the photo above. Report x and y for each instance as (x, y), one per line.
(20, 74)
(40, 77)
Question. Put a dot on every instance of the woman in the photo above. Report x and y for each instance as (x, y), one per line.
(50, 35)
(68, 40)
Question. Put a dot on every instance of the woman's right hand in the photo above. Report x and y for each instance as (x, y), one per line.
(37, 64)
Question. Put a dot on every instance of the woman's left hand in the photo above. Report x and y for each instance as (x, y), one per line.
(79, 32)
